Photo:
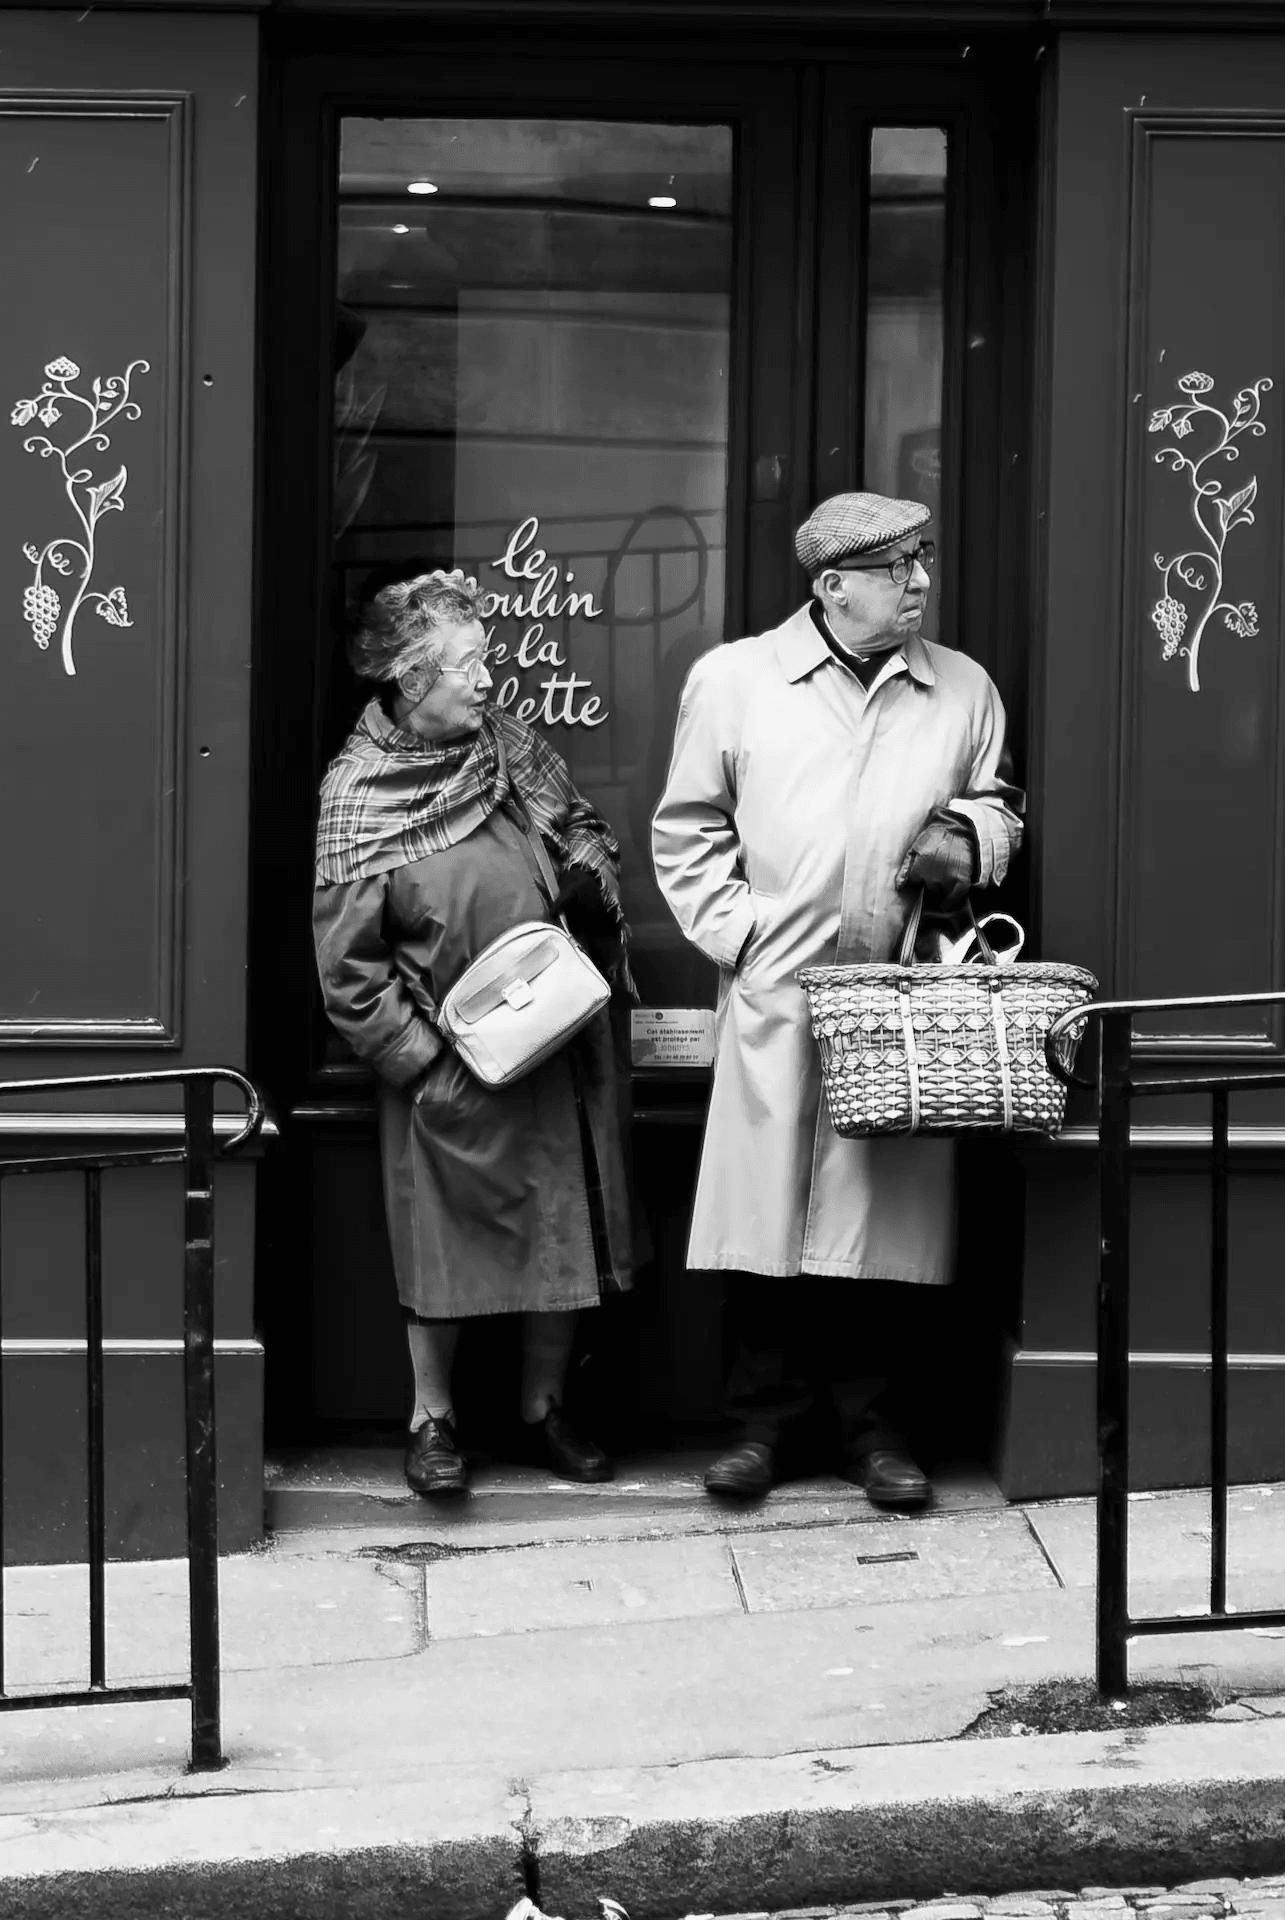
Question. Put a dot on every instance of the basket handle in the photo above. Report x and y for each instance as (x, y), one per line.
(908, 938)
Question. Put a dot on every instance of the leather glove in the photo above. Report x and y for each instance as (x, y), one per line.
(580, 898)
(591, 921)
(943, 860)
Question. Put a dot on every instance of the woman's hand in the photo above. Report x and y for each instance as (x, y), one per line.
(580, 898)
(438, 1089)
(436, 1073)
(589, 916)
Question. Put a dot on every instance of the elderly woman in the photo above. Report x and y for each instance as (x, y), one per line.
(498, 1201)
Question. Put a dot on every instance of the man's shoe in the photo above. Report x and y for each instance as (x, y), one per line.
(434, 1464)
(743, 1473)
(890, 1478)
(557, 1446)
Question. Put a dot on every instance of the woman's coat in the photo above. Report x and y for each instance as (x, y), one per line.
(485, 1189)
(792, 800)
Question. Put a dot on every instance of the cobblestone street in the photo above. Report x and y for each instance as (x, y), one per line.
(1264, 1898)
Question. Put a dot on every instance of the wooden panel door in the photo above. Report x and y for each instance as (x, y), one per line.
(126, 468)
(1162, 727)
(127, 234)
(1160, 733)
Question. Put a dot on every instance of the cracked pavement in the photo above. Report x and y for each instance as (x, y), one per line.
(503, 1668)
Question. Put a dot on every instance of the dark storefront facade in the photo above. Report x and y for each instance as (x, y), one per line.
(597, 302)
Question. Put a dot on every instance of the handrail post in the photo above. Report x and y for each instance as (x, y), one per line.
(1113, 1358)
(198, 1394)
(96, 1451)
(2, 1535)
(1218, 1356)
(201, 1688)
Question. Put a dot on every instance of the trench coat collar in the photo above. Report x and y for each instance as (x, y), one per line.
(801, 650)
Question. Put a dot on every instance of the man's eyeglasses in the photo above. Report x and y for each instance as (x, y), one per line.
(900, 567)
(472, 672)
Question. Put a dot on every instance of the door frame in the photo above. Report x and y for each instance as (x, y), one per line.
(798, 109)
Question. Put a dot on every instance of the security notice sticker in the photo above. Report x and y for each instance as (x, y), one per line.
(672, 1036)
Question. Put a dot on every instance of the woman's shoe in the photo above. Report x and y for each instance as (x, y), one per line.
(434, 1464)
(555, 1445)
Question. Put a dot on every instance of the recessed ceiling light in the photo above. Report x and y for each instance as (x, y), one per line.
(662, 200)
(421, 186)
(399, 228)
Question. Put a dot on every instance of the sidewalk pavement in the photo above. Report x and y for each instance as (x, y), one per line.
(627, 1691)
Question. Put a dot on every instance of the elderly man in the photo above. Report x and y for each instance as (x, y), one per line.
(823, 775)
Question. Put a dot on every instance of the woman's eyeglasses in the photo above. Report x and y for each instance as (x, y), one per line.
(900, 568)
(472, 672)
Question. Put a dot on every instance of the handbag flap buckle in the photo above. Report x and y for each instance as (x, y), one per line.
(508, 973)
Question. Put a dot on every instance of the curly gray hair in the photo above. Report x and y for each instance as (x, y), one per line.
(401, 625)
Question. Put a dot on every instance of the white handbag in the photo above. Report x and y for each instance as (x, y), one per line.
(524, 996)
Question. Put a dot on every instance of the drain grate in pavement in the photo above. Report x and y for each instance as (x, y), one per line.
(935, 1558)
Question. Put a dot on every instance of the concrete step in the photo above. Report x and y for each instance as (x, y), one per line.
(652, 1494)
(739, 1836)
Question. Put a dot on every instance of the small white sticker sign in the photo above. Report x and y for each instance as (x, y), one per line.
(672, 1036)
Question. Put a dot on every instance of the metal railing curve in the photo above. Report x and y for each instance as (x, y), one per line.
(1117, 1087)
(197, 1154)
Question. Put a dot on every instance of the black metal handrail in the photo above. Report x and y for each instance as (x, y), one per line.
(1116, 1087)
(196, 1155)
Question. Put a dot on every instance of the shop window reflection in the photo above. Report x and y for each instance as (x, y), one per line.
(905, 281)
(532, 351)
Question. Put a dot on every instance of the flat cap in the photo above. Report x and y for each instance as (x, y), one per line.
(852, 524)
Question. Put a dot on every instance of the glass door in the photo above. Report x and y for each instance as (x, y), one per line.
(534, 318)
(923, 335)
(905, 319)
(888, 310)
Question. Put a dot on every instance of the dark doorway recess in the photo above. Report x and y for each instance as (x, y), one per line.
(661, 300)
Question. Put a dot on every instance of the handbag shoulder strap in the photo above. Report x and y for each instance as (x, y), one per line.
(532, 835)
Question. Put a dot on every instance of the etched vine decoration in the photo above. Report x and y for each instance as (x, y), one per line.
(1215, 514)
(72, 557)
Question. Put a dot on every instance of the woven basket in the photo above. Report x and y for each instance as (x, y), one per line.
(941, 1049)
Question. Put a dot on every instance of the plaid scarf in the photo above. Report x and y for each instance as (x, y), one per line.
(389, 798)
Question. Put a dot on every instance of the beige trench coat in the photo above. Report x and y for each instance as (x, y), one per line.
(793, 796)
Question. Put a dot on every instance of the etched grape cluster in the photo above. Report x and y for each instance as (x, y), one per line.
(40, 609)
(1170, 618)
